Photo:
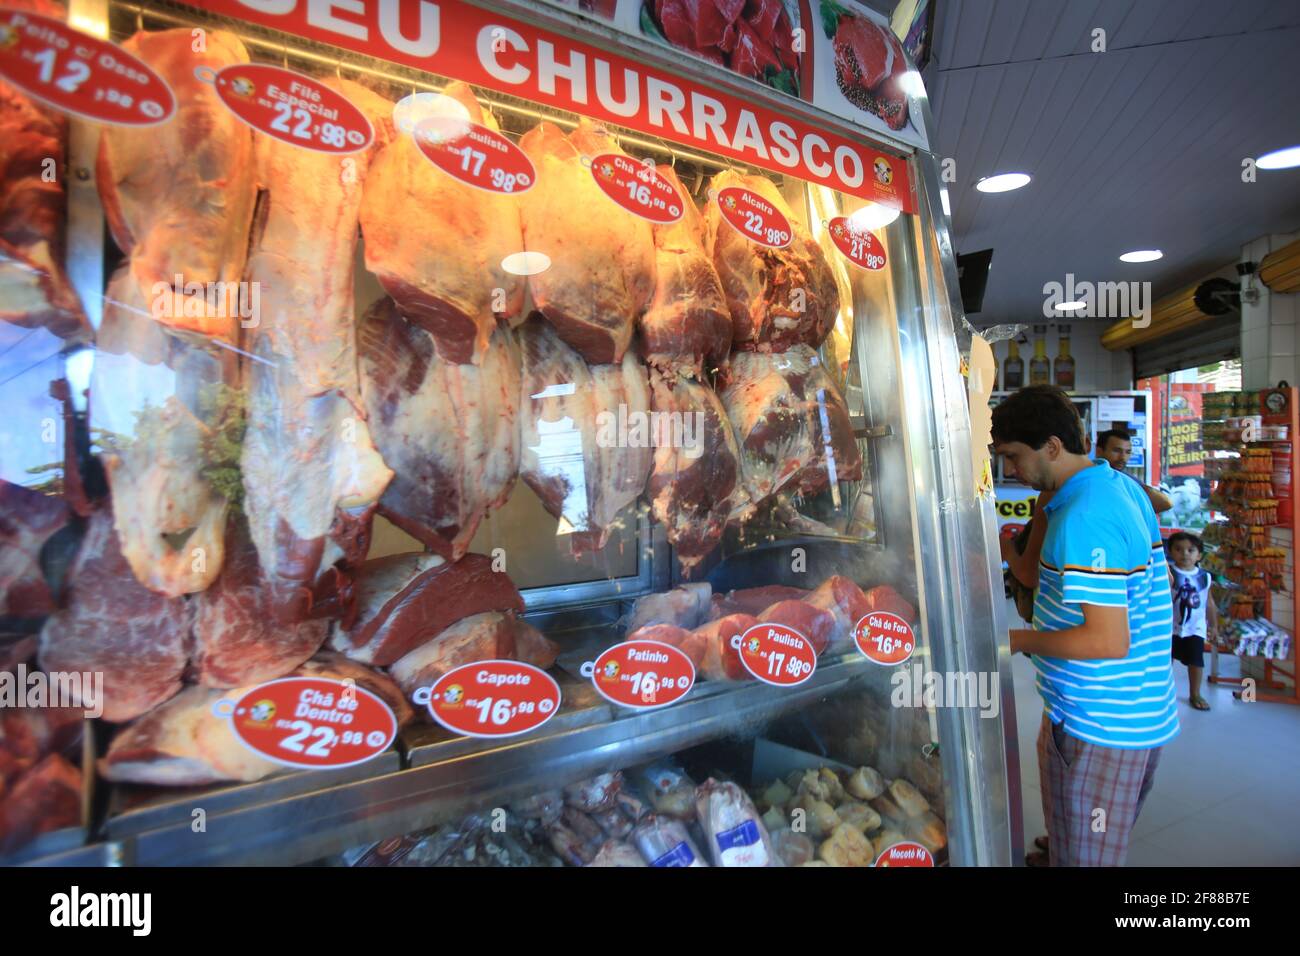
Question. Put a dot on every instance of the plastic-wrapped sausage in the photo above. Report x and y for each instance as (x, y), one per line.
(670, 791)
(617, 853)
(570, 847)
(614, 822)
(545, 806)
(663, 841)
(596, 793)
(732, 826)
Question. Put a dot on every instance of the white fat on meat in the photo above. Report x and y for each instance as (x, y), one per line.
(686, 606)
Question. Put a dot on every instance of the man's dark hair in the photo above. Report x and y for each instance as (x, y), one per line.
(1103, 437)
(1036, 413)
(1184, 536)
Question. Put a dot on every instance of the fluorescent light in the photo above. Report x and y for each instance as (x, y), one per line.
(873, 216)
(947, 204)
(1003, 182)
(1280, 158)
(1142, 255)
(1071, 306)
(526, 263)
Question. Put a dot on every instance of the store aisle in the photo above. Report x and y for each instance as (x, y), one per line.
(1227, 790)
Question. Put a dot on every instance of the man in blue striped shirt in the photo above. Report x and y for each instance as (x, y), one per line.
(1103, 621)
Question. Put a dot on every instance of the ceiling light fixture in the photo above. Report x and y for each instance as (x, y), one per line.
(1002, 182)
(1280, 158)
(1142, 255)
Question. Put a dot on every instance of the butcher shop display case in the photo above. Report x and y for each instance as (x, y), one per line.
(487, 434)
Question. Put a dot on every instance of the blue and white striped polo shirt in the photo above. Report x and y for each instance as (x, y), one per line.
(1103, 547)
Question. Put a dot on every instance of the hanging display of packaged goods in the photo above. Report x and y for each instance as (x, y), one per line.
(437, 407)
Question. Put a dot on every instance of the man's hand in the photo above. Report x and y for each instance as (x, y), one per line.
(1103, 635)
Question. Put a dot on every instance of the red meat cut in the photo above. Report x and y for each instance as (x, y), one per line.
(492, 635)
(721, 660)
(406, 599)
(46, 798)
(885, 598)
(845, 600)
(869, 67)
(139, 640)
(449, 432)
(686, 606)
(813, 623)
(27, 520)
(688, 642)
(752, 601)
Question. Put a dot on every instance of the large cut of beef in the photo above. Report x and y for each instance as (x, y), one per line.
(34, 288)
(236, 637)
(791, 422)
(753, 601)
(179, 196)
(46, 798)
(492, 635)
(184, 743)
(137, 639)
(721, 660)
(602, 272)
(687, 326)
(27, 520)
(846, 602)
(573, 453)
(404, 600)
(869, 68)
(437, 244)
(309, 463)
(450, 432)
(694, 486)
(159, 397)
(778, 298)
(686, 606)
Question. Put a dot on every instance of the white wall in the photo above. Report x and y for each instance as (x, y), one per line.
(1269, 352)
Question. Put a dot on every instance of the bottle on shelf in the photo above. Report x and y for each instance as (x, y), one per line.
(1013, 368)
(1063, 367)
(1040, 367)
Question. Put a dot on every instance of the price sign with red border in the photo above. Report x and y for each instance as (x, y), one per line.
(884, 638)
(494, 698)
(636, 187)
(754, 217)
(291, 107)
(859, 246)
(80, 74)
(313, 723)
(641, 674)
(905, 854)
(776, 654)
(477, 156)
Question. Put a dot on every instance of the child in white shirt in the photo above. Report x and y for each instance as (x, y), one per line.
(1195, 616)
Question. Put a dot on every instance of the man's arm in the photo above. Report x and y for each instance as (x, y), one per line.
(1103, 635)
(1025, 565)
(1160, 501)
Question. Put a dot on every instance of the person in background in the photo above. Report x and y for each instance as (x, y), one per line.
(1116, 447)
(1195, 616)
(1101, 637)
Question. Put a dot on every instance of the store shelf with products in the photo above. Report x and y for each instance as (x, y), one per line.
(1249, 439)
(346, 564)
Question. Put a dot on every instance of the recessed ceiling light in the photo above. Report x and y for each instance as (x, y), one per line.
(1003, 182)
(1280, 158)
(873, 216)
(1142, 255)
(526, 263)
(1070, 306)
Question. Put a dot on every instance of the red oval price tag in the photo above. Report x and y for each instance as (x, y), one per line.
(494, 699)
(859, 246)
(905, 854)
(643, 674)
(636, 187)
(80, 74)
(777, 654)
(313, 722)
(293, 108)
(884, 638)
(475, 155)
(754, 217)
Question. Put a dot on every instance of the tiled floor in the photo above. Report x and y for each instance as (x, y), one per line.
(1227, 792)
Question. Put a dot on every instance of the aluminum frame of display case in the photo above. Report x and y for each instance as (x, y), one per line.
(918, 430)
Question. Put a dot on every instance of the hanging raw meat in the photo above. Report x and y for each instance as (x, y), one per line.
(184, 743)
(236, 637)
(27, 520)
(574, 454)
(309, 464)
(159, 402)
(112, 624)
(792, 425)
(777, 297)
(695, 484)
(602, 272)
(687, 327)
(179, 197)
(436, 244)
(450, 432)
(491, 635)
(34, 289)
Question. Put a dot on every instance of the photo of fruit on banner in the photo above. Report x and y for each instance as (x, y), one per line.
(755, 38)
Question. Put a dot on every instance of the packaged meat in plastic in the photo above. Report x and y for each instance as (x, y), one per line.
(793, 849)
(670, 791)
(570, 846)
(686, 606)
(663, 841)
(613, 821)
(732, 826)
(617, 853)
(545, 806)
(596, 793)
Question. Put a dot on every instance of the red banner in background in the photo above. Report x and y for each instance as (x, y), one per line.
(488, 49)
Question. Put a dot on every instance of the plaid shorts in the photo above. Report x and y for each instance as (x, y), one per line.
(1079, 778)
